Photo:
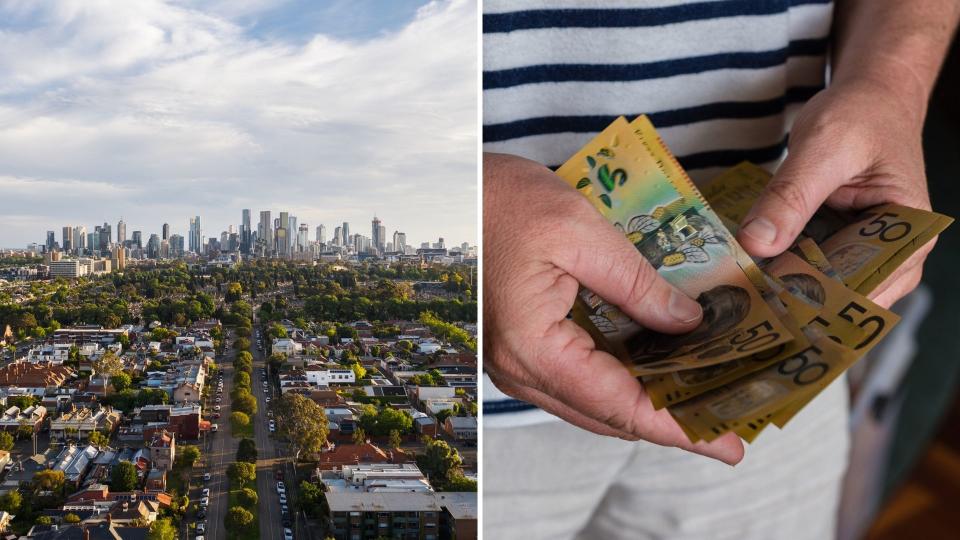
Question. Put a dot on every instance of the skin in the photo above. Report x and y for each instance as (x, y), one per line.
(854, 145)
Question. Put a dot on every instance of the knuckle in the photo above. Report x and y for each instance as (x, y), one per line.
(644, 279)
(790, 195)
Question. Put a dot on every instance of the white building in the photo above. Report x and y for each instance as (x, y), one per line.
(324, 376)
(286, 346)
(70, 268)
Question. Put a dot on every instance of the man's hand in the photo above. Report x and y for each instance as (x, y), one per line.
(542, 240)
(853, 146)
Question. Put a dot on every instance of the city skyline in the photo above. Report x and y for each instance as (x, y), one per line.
(211, 110)
(168, 229)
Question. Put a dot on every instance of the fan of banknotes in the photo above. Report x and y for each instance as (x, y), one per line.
(775, 332)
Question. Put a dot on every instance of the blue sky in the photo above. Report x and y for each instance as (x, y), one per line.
(160, 110)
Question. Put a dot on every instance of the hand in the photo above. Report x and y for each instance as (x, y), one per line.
(542, 239)
(855, 145)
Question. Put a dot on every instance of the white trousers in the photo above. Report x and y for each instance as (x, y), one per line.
(556, 481)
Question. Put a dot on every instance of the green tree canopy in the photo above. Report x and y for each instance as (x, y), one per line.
(120, 382)
(162, 529)
(303, 422)
(241, 472)
(123, 477)
(238, 518)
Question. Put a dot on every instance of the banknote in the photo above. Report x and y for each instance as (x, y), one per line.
(871, 248)
(809, 251)
(732, 193)
(667, 389)
(747, 405)
(641, 190)
(847, 317)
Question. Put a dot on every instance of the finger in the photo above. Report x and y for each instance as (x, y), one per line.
(904, 279)
(808, 175)
(899, 289)
(603, 260)
(613, 397)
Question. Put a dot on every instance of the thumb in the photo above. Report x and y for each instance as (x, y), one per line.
(604, 261)
(802, 183)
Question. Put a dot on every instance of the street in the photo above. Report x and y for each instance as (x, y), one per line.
(270, 517)
(220, 452)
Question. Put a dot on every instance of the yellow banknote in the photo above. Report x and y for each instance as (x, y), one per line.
(868, 250)
(660, 211)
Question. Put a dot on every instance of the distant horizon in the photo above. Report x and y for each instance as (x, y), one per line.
(180, 110)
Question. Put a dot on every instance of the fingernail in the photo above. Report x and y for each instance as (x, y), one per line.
(761, 230)
(683, 308)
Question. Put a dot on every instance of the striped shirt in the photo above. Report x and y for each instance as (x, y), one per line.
(721, 80)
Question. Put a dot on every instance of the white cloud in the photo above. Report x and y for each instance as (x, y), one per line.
(181, 112)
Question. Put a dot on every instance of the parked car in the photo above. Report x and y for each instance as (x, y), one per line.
(217, 407)
(204, 502)
(273, 426)
(281, 488)
(287, 534)
(283, 498)
(216, 415)
(267, 399)
(279, 474)
(205, 493)
(201, 527)
(206, 477)
(214, 427)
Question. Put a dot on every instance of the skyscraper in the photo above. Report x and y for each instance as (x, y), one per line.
(80, 239)
(375, 233)
(283, 234)
(338, 236)
(196, 235)
(51, 240)
(121, 232)
(265, 233)
(321, 234)
(137, 239)
(303, 237)
(399, 241)
(67, 244)
(166, 232)
(245, 232)
(345, 234)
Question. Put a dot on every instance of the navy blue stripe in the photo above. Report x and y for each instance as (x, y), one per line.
(728, 158)
(546, 125)
(506, 406)
(507, 78)
(495, 23)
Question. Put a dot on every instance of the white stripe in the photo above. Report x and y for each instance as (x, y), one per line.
(507, 6)
(652, 44)
(740, 134)
(614, 98)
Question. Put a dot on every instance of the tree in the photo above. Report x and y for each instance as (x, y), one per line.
(237, 518)
(71, 518)
(242, 344)
(162, 529)
(248, 497)
(458, 482)
(239, 421)
(11, 501)
(121, 381)
(245, 403)
(276, 330)
(123, 477)
(188, 455)
(109, 364)
(21, 402)
(241, 378)
(359, 371)
(97, 438)
(439, 461)
(241, 472)
(234, 292)
(311, 499)
(49, 480)
(45, 520)
(359, 436)
(6, 441)
(381, 422)
(395, 439)
(247, 451)
(303, 422)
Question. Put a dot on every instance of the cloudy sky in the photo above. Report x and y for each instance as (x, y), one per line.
(158, 110)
